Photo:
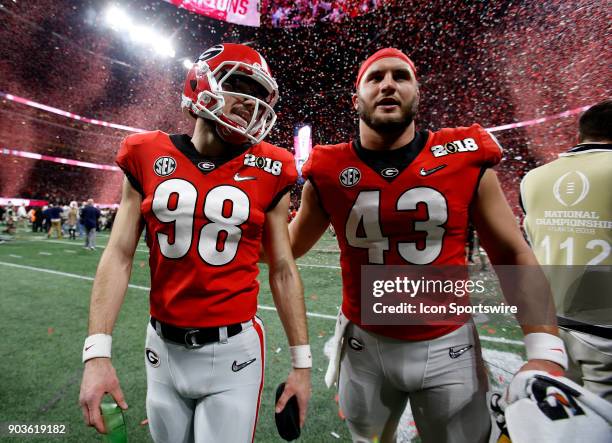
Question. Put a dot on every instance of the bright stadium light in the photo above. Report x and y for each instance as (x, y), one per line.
(187, 63)
(142, 34)
(117, 19)
(162, 46)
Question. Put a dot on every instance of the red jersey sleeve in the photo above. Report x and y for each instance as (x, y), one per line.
(128, 162)
(491, 149)
(308, 166)
(123, 156)
(287, 178)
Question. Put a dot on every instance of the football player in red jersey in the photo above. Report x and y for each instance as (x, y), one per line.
(208, 202)
(400, 196)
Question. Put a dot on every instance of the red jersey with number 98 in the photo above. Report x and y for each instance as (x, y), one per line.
(414, 216)
(204, 221)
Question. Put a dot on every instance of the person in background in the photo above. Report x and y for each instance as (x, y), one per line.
(89, 217)
(37, 222)
(55, 219)
(9, 219)
(22, 216)
(573, 192)
(80, 226)
(73, 214)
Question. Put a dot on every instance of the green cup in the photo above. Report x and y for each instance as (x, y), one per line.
(114, 421)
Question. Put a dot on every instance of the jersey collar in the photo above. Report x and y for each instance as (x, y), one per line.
(183, 143)
(399, 158)
(588, 147)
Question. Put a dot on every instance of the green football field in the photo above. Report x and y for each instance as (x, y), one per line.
(45, 288)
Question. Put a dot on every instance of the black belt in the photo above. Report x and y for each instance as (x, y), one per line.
(578, 326)
(193, 337)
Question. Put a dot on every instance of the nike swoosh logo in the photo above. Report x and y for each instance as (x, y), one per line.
(88, 347)
(426, 172)
(456, 353)
(240, 178)
(237, 367)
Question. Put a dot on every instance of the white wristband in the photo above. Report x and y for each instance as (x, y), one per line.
(300, 356)
(543, 346)
(97, 345)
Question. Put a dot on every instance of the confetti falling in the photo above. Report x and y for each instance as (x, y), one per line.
(487, 62)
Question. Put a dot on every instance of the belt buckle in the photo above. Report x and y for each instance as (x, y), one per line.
(190, 339)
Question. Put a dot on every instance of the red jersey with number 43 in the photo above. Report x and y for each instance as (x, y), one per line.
(204, 220)
(411, 212)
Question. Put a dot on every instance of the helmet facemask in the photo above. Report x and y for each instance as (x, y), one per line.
(210, 102)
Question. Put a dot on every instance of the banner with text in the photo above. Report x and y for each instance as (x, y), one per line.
(241, 12)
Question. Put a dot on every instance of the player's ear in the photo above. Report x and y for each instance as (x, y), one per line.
(355, 99)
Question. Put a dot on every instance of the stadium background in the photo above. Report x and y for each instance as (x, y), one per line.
(493, 63)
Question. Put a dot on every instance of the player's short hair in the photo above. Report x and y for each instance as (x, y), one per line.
(596, 123)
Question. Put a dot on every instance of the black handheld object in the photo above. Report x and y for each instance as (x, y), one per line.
(288, 420)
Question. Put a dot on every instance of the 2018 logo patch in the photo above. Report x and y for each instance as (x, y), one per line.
(164, 166)
(273, 167)
(465, 145)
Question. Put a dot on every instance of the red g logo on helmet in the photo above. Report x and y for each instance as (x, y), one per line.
(208, 84)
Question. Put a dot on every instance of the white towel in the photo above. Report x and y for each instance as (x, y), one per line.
(333, 369)
(528, 424)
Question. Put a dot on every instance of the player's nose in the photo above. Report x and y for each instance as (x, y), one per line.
(388, 83)
(248, 102)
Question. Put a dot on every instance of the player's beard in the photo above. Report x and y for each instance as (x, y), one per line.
(388, 124)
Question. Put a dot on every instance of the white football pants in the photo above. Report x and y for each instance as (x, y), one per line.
(207, 394)
(444, 379)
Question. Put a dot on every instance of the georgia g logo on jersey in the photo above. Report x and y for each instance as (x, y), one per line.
(389, 172)
(164, 166)
(465, 145)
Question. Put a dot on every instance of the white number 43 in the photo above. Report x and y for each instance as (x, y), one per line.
(366, 211)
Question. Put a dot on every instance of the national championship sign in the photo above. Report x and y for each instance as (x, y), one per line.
(241, 12)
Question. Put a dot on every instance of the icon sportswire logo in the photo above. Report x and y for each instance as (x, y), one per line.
(425, 172)
(240, 178)
(238, 366)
